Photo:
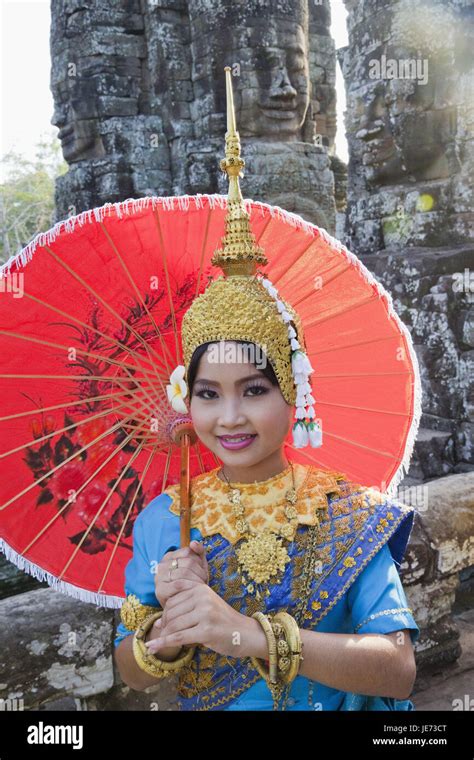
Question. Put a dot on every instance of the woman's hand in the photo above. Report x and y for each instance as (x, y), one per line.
(192, 566)
(195, 614)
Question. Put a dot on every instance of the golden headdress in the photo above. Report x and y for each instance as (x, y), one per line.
(244, 305)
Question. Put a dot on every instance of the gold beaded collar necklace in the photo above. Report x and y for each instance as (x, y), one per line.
(263, 555)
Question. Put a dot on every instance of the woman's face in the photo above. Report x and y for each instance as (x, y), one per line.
(236, 398)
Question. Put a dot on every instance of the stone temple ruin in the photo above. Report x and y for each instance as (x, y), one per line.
(144, 110)
(140, 106)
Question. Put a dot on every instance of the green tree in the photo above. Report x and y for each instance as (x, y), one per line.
(27, 194)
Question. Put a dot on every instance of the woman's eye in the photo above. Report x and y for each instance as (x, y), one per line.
(201, 393)
(260, 390)
(257, 388)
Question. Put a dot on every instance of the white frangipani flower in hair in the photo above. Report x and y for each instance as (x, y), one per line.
(178, 390)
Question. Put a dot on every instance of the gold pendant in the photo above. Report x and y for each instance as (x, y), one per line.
(262, 556)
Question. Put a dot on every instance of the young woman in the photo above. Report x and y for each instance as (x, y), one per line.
(288, 596)
(357, 635)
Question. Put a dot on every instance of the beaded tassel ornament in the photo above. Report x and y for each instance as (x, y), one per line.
(305, 429)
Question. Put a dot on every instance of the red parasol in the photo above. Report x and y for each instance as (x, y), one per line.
(90, 316)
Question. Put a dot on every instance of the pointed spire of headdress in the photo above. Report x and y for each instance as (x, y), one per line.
(240, 254)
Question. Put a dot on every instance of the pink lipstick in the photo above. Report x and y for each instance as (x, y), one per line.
(236, 442)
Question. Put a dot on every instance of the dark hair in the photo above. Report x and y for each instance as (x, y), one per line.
(268, 370)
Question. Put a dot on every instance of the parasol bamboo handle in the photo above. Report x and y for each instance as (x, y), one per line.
(184, 510)
(183, 435)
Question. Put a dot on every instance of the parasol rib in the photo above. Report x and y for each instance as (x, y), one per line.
(90, 328)
(134, 285)
(65, 461)
(203, 249)
(353, 345)
(84, 421)
(67, 404)
(125, 521)
(102, 507)
(77, 492)
(102, 301)
(102, 358)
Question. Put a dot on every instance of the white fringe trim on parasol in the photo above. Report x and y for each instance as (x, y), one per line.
(99, 600)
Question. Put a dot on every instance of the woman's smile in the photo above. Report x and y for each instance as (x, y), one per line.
(236, 442)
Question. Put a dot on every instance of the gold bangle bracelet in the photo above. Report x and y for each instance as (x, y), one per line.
(149, 662)
(289, 645)
(270, 675)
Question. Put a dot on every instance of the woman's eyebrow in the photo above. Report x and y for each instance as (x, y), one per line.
(237, 382)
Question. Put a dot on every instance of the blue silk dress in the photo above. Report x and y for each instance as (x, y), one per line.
(371, 600)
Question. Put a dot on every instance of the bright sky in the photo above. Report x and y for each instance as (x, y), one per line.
(339, 34)
(26, 100)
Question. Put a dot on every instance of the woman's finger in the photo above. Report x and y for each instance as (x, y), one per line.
(187, 565)
(177, 599)
(171, 603)
(185, 632)
(183, 606)
(184, 551)
(199, 548)
(181, 584)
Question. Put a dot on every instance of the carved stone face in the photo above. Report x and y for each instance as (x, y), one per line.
(401, 135)
(275, 86)
(76, 116)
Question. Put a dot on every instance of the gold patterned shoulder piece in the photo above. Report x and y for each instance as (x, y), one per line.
(211, 510)
(358, 498)
(133, 612)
